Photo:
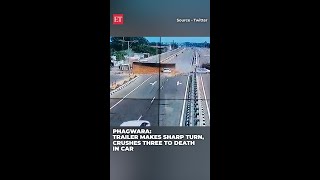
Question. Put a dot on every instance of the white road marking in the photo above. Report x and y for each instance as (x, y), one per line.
(178, 83)
(153, 83)
(200, 104)
(153, 100)
(161, 87)
(184, 102)
(205, 97)
(196, 59)
(130, 92)
(172, 56)
(140, 117)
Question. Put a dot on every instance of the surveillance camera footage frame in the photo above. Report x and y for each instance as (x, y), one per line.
(160, 79)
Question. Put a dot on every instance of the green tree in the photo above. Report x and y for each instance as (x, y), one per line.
(117, 44)
(142, 45)
(152, 43)
(144, 49)
(119, 55)
(174, 45)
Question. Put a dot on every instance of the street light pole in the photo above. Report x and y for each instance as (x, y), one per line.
(128, 42)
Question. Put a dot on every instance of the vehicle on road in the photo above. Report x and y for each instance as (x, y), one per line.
(166, 70)
(136, 123)
(202, 70)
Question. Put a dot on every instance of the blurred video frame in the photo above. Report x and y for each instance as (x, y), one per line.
(159, 81)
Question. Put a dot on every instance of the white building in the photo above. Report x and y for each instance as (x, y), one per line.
(114, 58)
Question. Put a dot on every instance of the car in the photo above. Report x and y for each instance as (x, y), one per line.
(136, 123)
(166, 70)
(202, 70)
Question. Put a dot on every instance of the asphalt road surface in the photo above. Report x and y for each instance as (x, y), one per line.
(160, 99)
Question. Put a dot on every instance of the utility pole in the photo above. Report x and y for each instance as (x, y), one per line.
(128, 42)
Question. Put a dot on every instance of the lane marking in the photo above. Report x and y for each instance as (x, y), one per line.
(130, 92)
(153, 100)
(205, 97)
(184, 102)
(153, 83)
(161, 87)
(140, 117)
(200, 103)
(172, 56)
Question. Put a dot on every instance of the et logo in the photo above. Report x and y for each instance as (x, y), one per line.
(117, 19)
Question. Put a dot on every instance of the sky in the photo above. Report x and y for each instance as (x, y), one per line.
(179, 39)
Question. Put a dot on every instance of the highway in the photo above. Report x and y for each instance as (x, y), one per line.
(204, 85)
(161, 99)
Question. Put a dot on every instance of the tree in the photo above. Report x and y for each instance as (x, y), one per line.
(119, 55)
(117, 44)
(144, 49)
(174, 45)
(141, 46)
(152, 43)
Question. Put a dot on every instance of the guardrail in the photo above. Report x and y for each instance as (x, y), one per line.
(189, 111)
(193, 116)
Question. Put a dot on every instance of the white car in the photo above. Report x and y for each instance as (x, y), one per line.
(202, 70)
(136, 123)
(166, 70)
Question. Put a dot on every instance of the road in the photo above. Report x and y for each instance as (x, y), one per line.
(204, 84)
(116, 75)
(160, 99)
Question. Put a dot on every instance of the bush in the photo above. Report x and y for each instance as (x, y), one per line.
(120, 55)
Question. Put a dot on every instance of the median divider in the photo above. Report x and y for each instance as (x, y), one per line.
(202, 116)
